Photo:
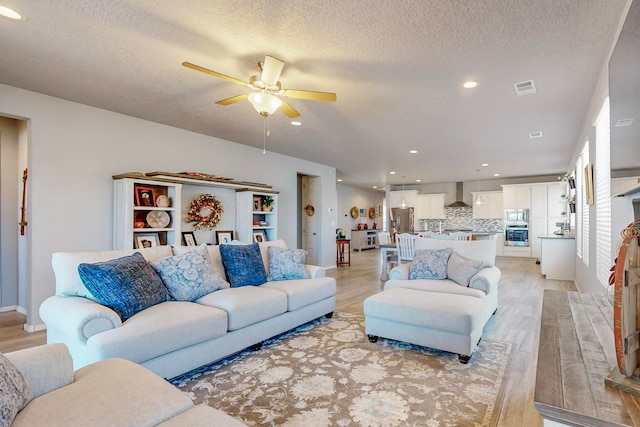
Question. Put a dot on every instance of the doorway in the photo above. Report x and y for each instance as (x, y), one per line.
(309, 217)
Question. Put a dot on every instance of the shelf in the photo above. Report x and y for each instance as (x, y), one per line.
(179, 178)
(152, 208)
(152, 230)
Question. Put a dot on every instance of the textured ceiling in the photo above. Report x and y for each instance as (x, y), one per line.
(396, 66)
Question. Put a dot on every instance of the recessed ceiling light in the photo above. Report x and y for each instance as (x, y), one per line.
(10, 13)
(375, 186)
(413, 151)
(339, 179)
(470, 84)
(418, 180)
(496, 174)
(535, 135)
(296, 123)
(392, 173)
(485, 164)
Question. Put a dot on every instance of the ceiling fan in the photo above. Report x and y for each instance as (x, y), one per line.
(266, 98)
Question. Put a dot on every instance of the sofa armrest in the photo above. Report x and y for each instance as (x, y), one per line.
(78, 317)
(486, 279)
(316, 271)
(46, 367)
(400, 271)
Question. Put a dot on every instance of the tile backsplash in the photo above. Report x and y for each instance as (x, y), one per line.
(457, 218)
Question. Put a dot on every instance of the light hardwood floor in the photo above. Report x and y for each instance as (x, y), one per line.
(517, 321)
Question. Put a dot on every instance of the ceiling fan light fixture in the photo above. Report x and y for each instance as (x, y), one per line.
(264, 103)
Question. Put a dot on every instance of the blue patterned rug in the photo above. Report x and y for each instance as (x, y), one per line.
(327, 373)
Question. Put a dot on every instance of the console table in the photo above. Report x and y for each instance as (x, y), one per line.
(575, 353)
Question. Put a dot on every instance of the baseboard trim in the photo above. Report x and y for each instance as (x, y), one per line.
(9, 308)
(34, 328)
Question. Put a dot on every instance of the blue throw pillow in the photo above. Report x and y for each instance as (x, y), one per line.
(190, 275)
(429, 264)
(287, 264)
(127, 285)
(243, 264)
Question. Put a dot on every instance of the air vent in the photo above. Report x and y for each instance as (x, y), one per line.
(526, 87)
(535, 135)
(624, 122)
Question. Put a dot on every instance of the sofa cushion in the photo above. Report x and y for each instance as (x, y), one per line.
(287, 264)
(264, 250)
(127, 285)
(429, 264)
(243, 264)
(461, 269)
(113, 392)
(65, 266)
(158, 330)
(304, 292)
(212, 250)
(189, 276)
(15, 391)
(435, 285)
(247, 305)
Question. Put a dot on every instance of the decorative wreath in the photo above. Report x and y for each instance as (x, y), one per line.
(354, 212)
(310, 209)
(206, 211)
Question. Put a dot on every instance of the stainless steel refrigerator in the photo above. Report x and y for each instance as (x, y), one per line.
(400, 220)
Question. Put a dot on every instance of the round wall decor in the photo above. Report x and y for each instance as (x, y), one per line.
(354, 212)
(206, 211)
(309, 209)
(372, 213)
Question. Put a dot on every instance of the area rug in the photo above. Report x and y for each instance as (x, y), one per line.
(327, 373)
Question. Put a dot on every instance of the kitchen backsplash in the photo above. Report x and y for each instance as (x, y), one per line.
(459, 218)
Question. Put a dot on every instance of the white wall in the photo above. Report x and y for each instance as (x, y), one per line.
(10, 179)
(361, 198)
(74, 150)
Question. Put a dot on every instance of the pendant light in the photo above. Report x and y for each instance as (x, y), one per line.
(479, 201)
(265, 104)
(403, 202)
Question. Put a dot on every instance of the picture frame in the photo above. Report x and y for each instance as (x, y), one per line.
(145, 196)
(149, 240)
(224, 237)
(259, 237)
(189, 238)
(257, 203)
(588, 184)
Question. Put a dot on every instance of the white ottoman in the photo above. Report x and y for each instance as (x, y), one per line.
(443, 321)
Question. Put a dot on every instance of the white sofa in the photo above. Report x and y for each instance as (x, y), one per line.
(106, 393)
(174, 337)
(437, 313)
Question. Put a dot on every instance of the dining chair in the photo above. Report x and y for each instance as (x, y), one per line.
(384, 238)
(460, 235)
(427, 234)
(443, 236)
(405, 243)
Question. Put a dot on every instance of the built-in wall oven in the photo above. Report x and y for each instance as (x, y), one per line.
(516, 227)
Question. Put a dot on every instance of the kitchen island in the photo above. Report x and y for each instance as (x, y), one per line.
(558, 257)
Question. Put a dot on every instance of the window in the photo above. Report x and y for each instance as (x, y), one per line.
(582, 209)
(602, 191)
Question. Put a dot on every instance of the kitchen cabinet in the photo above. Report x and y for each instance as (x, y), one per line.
(492, 207)
(500, 244)
(556, 204)
(516, 196)
(430, 206)
(410, 197)
(517, 251)
(364, 239)
(136, 212)
(558, 258)
(537, 229)
(538, 201)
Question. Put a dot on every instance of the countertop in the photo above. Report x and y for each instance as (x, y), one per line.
(556, 236)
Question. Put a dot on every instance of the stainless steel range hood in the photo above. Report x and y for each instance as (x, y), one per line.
(458, 203)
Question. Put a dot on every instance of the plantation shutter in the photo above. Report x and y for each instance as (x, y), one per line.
(603, 196)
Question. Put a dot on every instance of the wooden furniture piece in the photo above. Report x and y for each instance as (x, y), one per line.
(576, 352)
(253, 217)
(558, 257)
(343, 252)
(130, 217)
(406, 247)
(364, 239)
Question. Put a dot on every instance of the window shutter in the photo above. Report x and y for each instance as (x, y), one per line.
(602, 178)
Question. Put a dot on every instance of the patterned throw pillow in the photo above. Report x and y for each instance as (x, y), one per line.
(15, 391)
(461, 269)
(429, 264)
(190, 275)
(243, 264)
(287, 264)
(127, 285)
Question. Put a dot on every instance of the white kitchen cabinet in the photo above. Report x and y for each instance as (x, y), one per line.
(492, 207)
(538, 201)
(500, 244)
(430, 206)
(558, 258)
(516, 196)
(537, 229)
(517, 251)
(410, 197)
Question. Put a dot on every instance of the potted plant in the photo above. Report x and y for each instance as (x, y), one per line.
(267, 203)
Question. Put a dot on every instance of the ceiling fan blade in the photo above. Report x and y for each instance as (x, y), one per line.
(232, 100)
(289, 110)
(213, 73)
(271, 70)
(311, 95)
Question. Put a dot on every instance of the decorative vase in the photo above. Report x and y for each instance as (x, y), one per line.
(374, 226)
(359, 226)
(267, 208)
(366, 227)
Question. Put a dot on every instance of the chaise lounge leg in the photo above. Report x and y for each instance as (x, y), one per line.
(256, 347)
(373, 338)
(463, 358)
(329, 315)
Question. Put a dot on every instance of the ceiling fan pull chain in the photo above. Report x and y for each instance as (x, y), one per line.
(264, 134)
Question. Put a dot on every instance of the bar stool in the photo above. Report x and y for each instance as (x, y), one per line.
(343, 257)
